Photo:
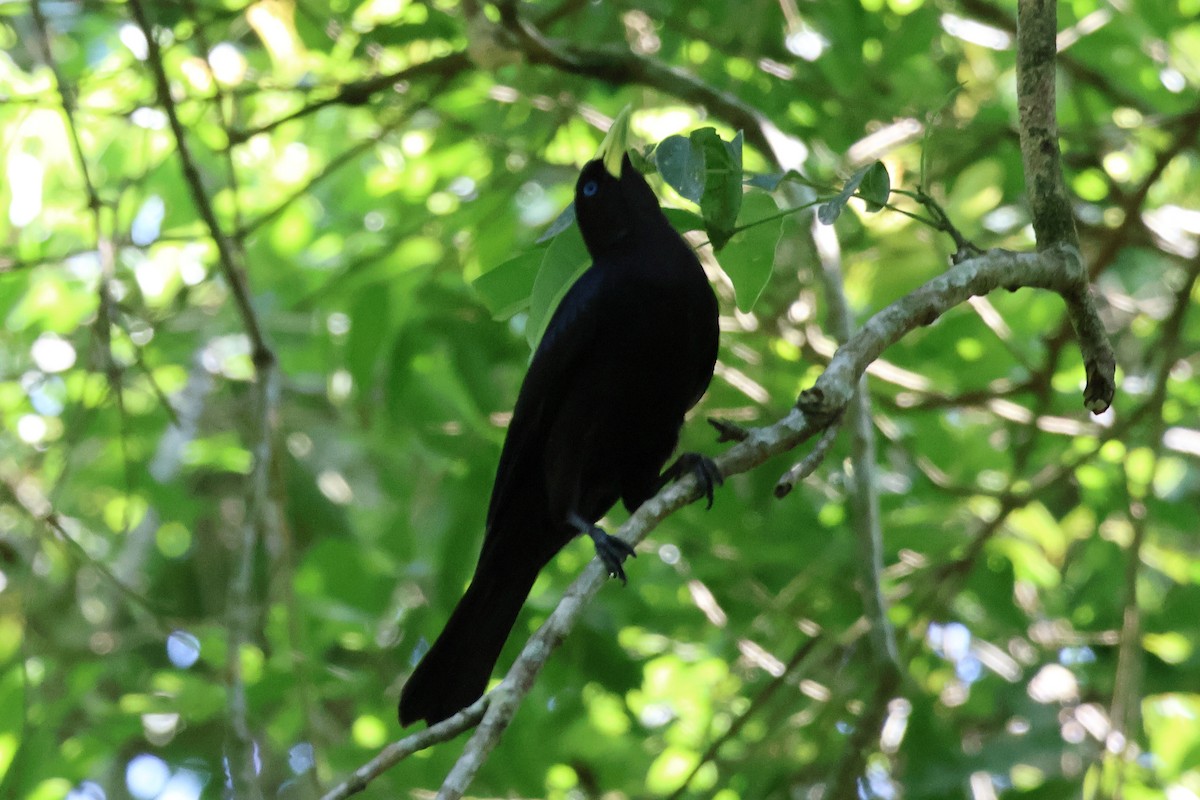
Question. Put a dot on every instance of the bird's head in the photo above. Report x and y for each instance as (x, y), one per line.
(611, 198)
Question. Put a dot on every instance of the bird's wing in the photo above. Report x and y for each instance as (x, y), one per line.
(568, 338)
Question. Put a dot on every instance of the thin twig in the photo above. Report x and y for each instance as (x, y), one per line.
(262, 516)
(865, 491)
(808, 465)
(261, 353)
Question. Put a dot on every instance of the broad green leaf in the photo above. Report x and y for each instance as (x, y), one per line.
(505, 290)
(369, 321)
(750, 254)
(684, 221)
(722, 197)
(560, 224)
(564, 261)
(680, 162)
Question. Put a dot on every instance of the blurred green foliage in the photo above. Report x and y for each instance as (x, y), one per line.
(390, 235)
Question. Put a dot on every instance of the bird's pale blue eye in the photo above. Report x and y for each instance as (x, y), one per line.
(590, 188)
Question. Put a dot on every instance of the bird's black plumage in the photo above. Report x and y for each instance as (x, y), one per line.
(629, 350)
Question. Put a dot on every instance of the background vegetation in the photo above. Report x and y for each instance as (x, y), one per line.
(242, 486)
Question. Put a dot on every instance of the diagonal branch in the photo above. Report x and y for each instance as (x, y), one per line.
(262, 354)
(1058, 270)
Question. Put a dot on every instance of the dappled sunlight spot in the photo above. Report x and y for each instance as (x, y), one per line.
(197, 73)
(673, 765)
(84, 791)
(758, 656)
(228, 356)
(183, 649)
(160, 729)
(806, 42)
(32, 428)
(252, 660)
(816, 691)
(534, 206)
(335, 487)
(1172, 80)
(274, 22)
(95, 610)
(299, 444)
(703, 597)
(640, 32)
(338, 324)
(173, 539)
(183, 785)
(51, 353)
(655, 124)
(102, 643)
(301, 758)
(779, 70)
(561, 778)
(982, 786)
(1054, 683)
(878, 143)
(146, 227)
(974, 32)
(739, 380)
(293, 165)
(341, 383)
(606, 711)
(132, 37)
(368, 731)
(416, 143)
(151, 119)
(146, 776)
(669, 554)
(996, 660)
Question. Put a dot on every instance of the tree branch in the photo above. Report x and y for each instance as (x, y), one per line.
(864, 490)
(1050, 206)
(262, 513)
(1058, 270)
(620, 66)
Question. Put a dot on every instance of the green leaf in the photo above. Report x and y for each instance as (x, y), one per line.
(560, 224)
(680, 162)
(876, 187)
(564, 261)
(369, 318)
(722, 198)
(750, 254)
(505, 290)
(828, 212)
(684, 221)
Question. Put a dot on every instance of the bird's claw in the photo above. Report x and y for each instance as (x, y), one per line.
(707, 473)
(609, 549)
(612, 551)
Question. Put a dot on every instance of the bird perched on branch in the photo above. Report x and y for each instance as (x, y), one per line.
(628, 351)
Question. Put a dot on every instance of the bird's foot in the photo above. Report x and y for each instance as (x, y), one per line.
(707, 473)
(611, 550)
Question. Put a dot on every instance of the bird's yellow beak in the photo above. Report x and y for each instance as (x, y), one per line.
(612, 149)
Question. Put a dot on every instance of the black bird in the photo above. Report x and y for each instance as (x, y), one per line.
(629, 350)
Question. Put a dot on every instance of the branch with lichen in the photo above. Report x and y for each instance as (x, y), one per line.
(1049, 202)
(1057, 270)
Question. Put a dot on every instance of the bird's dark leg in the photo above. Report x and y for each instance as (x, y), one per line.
(708, 475)
(611, 550)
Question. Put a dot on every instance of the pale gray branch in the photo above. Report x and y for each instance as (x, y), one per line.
(1058, 270)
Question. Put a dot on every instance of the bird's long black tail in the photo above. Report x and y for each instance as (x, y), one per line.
(455, 671)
